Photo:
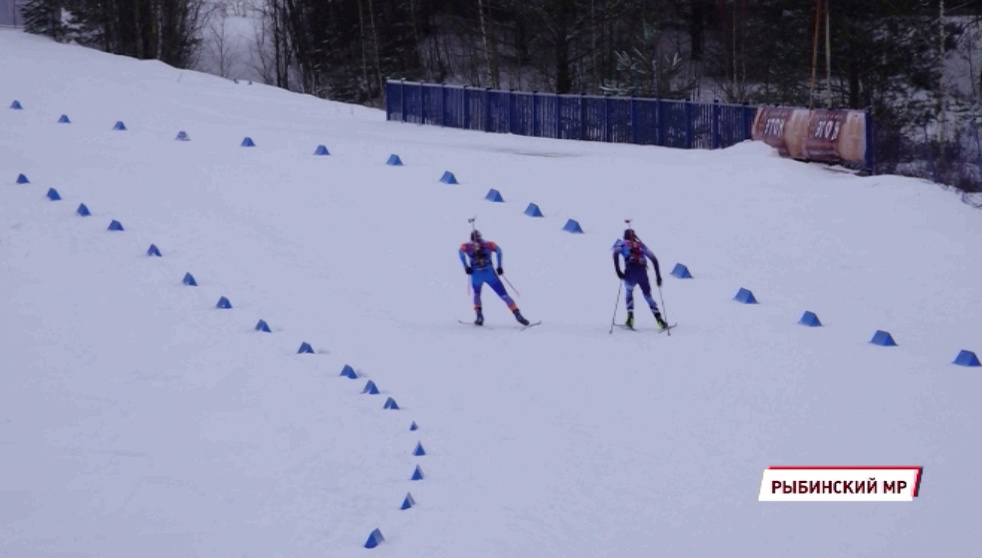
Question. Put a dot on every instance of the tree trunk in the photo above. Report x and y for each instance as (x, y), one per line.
(378, 47)
(828, 57)
(490, 56)
(364, 49)
(594, 49)
(942, 116)
(417, 41)
(561, 54)
(696, 28)
(854, 82)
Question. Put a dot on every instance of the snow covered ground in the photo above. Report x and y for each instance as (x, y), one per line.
(138, 419)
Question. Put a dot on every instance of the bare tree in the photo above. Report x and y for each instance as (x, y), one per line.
(490, 47)
(222, 49)
(262, 53)
(375, 42)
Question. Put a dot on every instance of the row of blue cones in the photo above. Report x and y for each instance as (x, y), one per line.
(495, 196)
(880, 337)
(181, 136)
(375, 538)
(371, 388)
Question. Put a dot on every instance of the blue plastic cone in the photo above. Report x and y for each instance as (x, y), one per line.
(189, 280)
(247, 142)
(394, 160)
(305, 348)
(809, 319)
(53, 194)
(408, 502)
(261, 325)
(419, 449)
(681, 271)
(22, 179)
(967, 358)
(533, 210)
(223, 303)
(119, 126)
(572, 226)
(390, 404)
(745, 296)
(448, 178)
(883, 338)
(153, 251)
(370, 388)
(349, 372)
(16, 105)
(115, 225)
(64, 119)
(182, 136)
(417, 474)
(83, 210)
(413, 426)
(321, 150)
(494, 196)
(374, 539)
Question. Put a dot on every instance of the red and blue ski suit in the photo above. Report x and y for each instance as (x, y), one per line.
(479, 256)
(635, 273)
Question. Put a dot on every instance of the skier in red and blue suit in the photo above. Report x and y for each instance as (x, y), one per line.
(479, 267)
(635, 273)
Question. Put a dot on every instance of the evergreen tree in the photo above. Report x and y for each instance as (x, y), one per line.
(43, 17)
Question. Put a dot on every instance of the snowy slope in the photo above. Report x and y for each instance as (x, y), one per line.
(136, 418)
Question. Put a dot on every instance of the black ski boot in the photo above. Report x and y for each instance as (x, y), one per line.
(480, 317)
(661, 323)
(519, 317)
(630, 320)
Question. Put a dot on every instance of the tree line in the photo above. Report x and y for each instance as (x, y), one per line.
(885, 55)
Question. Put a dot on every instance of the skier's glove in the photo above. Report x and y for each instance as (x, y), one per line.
(500, 271)
(620, 274)
(658, 281)
(468, 270)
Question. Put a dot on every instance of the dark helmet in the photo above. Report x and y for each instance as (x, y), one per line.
(629, 235)
(476, 236)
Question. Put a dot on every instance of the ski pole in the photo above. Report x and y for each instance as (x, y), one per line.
(517, 294)
(617, 303)
(664, 311)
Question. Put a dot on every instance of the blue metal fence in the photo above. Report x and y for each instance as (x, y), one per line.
(610, 119)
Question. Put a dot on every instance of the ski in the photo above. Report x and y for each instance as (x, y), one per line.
(520, 326)
(629, 328)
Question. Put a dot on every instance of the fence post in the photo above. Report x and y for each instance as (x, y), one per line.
(688, 124)
(422, 103)
(870, 138)
(535, 114)
(659, 123)
(467, 110)
(388, 101)
(634, 120)
(606, 132)
(583, 134)
(486, 105)
(402, 97)
(443, 104)
(511, 110)
(714, 125)
(559, 116)
(748, 121)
